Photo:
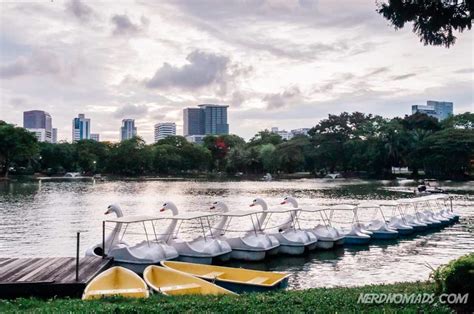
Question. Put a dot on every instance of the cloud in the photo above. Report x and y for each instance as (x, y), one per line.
(465, 70)
(203, 69)
(80, 10)
(402, 77)
(123, 26)
(131, 111)
(279, 100)
(38, 63)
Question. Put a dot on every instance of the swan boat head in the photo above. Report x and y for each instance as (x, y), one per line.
(169, 206)
(290, 200)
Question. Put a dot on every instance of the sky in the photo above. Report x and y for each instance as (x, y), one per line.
(282, 63)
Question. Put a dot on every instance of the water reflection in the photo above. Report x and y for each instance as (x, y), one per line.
(41, 220)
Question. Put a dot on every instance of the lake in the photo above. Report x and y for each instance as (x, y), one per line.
(41, 220)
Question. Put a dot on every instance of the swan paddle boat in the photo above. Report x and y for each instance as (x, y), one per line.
(442, 208)
(397, 220)
(427, 205)
(355, 234)
(378, 227)
(252, 245)
(116, 281)
(135, 257)
(327, 236)
(204, 249)
(417, 205)
(172, 282)
(410, 215)
(292, 241)
(235, 279)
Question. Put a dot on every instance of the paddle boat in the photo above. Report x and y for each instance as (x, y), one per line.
(292, 241)
(135, 257)
(413, 220)
(397, 220)
(252, 245)
(327, 235)
(417, 204)
(355, 234)
(172, 282)
(235, 279)
(116, 281)
(204, 249)
(431, 207)
(443, 208)
(378, 227)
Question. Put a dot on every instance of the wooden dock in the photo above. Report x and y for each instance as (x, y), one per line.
(48, 277)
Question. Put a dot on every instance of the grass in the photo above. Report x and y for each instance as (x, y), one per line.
(321, 300)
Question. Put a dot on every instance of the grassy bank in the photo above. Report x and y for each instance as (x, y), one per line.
(341, 300)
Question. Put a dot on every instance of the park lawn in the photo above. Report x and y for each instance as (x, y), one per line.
(322, 300)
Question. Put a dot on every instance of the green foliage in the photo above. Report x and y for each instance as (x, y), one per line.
(17, 146)
(319, 300)
(433, 21)
(456, 277)
(130, 157)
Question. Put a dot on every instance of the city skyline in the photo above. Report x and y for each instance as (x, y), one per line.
(296, 62)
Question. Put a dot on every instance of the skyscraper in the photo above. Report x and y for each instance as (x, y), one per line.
(164, 129)
(55, 136)
(437, 109)
(95, 137)
(81, 128)
(128, 129)
(207, 119)
(40, 123)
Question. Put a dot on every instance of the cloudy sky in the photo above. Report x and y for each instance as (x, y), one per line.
(282, 63)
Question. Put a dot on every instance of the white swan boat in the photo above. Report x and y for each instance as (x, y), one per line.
(443, 208)
(292, 241)
(327, 235)
(428, 205)
(356, 234)
(378, 227)
(397, 219)
(204, 249)
(138, 256)
(253, 245)
(410, 215)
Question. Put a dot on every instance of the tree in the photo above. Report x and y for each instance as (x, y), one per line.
(265, 137)
(269, 158)
(92, 155)
(460, 121)
(434, 21)
(130, 157)
(16, 145)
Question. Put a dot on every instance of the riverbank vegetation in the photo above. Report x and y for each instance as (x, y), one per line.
(320, 300)
(347, 143)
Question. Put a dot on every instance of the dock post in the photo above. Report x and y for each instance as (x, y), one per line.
(103, 239)
(77, 255)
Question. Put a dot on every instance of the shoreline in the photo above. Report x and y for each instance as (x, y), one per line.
(324, 300)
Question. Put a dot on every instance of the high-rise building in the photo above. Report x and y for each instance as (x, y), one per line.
(95, 137)
(437, 109)
(300, 131)
(40, 123)
(164, 129)
(207, 119)
(128, 129)
(81, 128)
(55, 135)
(283, 133)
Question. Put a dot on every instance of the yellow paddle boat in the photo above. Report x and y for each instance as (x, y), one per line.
(235, 279)
(173, 282)
(116, 281)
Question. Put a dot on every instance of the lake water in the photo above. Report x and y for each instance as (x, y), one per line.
(41, 220)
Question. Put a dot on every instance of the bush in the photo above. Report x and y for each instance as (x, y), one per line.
(456, 277)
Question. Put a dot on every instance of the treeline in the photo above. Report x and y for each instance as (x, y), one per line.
(349, 142)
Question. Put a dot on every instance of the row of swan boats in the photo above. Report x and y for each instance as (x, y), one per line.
(218, 243)
(180, 278)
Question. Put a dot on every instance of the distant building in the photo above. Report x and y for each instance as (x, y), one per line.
(301, 131)
(198, 139)
(55, 136)
(283, 133)
(128, 129)
(40, 123)
(81, 128)
(95, 137)
(207, 119)
(437, 109)
(164, 129)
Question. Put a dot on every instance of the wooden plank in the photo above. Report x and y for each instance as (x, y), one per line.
(87, 268)
(7, 261)
(13, 268)
(40, 267)
(52, 270)
(33, 264)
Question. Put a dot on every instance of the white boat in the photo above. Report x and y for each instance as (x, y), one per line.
(252, 245)
(292, 241)
(134, 257)
(397, 220)
(204, 249)
(443, 206)
(327, 235)
(355, 234)
(378, 227)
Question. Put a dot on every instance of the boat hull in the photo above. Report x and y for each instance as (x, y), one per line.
(384, 235)
(403, 231)
(243, 288)
(353, 240)
(325, 245)
(245, 255)
(291, 249)
(208, 260)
